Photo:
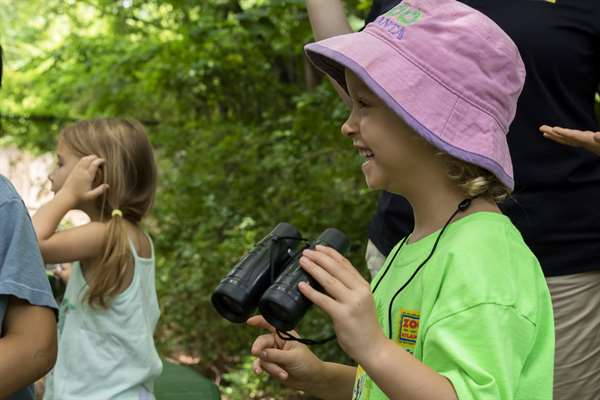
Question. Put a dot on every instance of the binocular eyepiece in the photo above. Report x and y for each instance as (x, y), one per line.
(268, 277)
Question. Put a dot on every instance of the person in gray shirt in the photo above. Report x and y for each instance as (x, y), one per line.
(27, 306)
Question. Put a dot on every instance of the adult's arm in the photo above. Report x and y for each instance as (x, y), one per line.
(28, 345)
(327, 19)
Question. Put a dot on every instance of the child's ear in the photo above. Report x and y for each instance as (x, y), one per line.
(99, 179)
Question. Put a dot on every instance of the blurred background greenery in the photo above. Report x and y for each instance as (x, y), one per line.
(246, 135)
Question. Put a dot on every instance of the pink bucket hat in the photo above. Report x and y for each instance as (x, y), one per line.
(446, 69)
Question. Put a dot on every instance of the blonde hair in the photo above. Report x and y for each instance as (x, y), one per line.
(130, 172)
(474, 180)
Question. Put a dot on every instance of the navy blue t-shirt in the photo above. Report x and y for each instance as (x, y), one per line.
(22, 272)
(556, 202)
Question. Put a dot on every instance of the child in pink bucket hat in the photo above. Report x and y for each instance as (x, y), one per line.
(460, 309)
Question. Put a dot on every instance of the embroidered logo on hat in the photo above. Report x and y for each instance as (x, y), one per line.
(398, 18)
(405, 14)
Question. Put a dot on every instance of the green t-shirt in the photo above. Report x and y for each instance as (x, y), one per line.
(478, 312)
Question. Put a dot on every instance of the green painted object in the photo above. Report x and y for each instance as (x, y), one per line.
(178, 382)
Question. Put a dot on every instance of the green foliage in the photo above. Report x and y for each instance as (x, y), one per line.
(242, 144)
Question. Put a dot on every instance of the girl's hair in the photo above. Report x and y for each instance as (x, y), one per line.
(473, 180)
(130, 172)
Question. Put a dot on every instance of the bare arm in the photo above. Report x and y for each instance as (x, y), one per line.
(401, 376)
(29, 342)
(80, 243)
(327, 19)
(46, 220)
(76, 244)
(337, 382)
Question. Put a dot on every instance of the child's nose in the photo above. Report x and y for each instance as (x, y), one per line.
(349, 127)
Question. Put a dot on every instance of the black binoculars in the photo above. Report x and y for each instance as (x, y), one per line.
(268, 277)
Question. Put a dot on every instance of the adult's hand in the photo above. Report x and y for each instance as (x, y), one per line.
(571, 137)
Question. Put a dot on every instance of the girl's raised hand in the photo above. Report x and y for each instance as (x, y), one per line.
(348, 301)
(81, 178)
(290, 362)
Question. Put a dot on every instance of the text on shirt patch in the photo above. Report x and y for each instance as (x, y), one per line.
(408, 329)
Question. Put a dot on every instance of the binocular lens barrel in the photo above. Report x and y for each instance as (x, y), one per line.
(238, 294)
(282, 304)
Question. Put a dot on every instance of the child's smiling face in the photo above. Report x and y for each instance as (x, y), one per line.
(395, 156)
(66, 161)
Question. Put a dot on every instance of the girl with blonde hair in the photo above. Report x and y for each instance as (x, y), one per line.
(106, 169)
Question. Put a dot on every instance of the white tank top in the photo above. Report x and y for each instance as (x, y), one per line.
(107, 354)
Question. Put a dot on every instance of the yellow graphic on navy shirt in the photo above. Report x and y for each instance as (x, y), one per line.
(408, 329)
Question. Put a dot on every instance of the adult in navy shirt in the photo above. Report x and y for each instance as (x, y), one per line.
(556, 202)
(27, 307)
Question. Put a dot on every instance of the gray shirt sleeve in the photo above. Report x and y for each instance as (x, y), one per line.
(21, 267)
(22, 271)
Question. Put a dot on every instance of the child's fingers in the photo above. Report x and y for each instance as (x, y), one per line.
(260, 322)
(95, 164)
(330, 283)
(274, 370)
(334, 254)
(92, 194)
(282, 358)
(264, 342)
(339, 270)
(597, 137)
(86, 161)
(256, 366)
(321, 300)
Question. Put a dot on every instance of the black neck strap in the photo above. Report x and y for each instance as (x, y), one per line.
(463, 206)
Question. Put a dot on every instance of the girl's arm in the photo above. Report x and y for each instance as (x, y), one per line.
(79, 243)
(75, 244)
(28, 345)
(46, 220)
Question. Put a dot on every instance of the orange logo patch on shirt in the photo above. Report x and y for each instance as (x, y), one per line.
(409, 329)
